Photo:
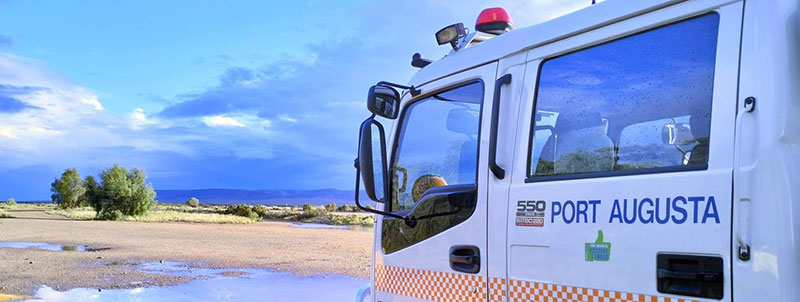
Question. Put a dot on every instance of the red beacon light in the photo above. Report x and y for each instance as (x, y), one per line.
(494, 21)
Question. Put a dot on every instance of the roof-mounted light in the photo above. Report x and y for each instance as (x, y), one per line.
(494, 20)
(451, 34)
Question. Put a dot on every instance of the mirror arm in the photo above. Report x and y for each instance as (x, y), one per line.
(414, 91)
(358, 203)
(453, 212)
(411, 221)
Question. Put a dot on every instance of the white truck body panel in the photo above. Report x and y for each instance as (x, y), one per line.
(752, 172)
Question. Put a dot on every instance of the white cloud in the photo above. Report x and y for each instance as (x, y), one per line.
(65, 121)
(7, 132)
(287, 118)
(139, 119)
(221, 121)
(93, 101)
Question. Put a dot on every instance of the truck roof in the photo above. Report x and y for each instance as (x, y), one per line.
(577, 22)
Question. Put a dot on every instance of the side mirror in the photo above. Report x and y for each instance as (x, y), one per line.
(371, 166)
(383, 101)
(677, 134)
(372, 159)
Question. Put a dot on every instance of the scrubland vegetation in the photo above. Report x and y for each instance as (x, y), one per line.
(123, 195)
(237, 214)
(4, 205)
(328, 214)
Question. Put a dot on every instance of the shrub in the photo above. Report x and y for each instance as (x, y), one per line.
(348, 208)
(11, 201)
(262, 211)
(68, 189)
(242, 210)
(115, 215)
(331, 207)
(93, 194)
(193, 202)
(126, 191)
(310, 211)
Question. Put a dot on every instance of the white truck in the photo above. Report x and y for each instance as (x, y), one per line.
(635, 150)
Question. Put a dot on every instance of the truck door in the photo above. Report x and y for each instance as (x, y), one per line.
(439, 168)
(622, 178)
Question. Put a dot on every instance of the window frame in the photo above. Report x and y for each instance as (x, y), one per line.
(532, 178)
(400, 128)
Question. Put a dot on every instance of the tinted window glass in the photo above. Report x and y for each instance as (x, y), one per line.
(437, 146)
(640, 102)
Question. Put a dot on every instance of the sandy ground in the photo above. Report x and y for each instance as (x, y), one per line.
(272, 245)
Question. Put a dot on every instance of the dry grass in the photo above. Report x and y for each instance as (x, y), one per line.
(184, 208)
(78, 214)
(315, 214)
(158, 215)
(27, 206)
(215, 214)
(6, 297)
(4, 214)
(177, 216)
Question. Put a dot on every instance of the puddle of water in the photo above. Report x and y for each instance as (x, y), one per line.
(302, 225)
(219, 285)
(43, 246)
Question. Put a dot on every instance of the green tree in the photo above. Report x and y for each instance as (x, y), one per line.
(93, 196)
(126, 191)
(11, 201)
(67, 190)
(193, 202)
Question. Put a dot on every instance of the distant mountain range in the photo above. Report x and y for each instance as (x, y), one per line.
(268, 197)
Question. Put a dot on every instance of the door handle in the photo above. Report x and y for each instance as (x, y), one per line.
(465, 258)
(498, 171)
(699, 276)
(741, 193)
(690, 275)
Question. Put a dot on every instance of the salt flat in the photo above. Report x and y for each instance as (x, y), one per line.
(270, 245)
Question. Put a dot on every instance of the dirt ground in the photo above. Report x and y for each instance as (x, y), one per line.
(272, 245)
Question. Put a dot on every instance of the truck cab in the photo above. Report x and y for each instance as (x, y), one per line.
(630, 151)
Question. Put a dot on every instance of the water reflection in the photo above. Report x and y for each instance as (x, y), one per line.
(246, 284)
(44, 246)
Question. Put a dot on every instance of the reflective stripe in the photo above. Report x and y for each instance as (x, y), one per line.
(441, 287)
(429, 285)
(546, 292)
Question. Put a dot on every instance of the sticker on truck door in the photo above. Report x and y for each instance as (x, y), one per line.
(598, 250)
(531, 213)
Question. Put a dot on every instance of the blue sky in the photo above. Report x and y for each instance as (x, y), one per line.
(207, 94)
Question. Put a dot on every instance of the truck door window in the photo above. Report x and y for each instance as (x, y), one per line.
(639, 104)
(658, 143)
(437, 146)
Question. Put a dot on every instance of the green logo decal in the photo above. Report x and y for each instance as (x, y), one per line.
(598, 250)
